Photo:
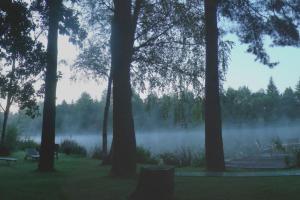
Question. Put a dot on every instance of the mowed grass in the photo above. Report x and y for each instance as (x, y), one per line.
(83, 178)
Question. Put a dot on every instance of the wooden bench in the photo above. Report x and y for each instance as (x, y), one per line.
(8, 159)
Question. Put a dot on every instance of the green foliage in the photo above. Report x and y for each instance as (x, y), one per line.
(277, 145)
(85, 114)
(23, 57)
(97, 153)
(185, 110)
(183, 157)
(199, 160)
(167, 51)
(255, 19)
(27, 143)
(11, 139)
(170, 159)
(144, 156)
(72, 147)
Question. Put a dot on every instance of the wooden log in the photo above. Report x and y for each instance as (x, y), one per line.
(155, 183)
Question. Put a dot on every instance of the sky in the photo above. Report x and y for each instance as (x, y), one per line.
(242, 71)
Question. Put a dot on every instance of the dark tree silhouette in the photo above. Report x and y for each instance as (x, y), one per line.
(46, 162)
(23, 60)
(213, 125)
(253, 19)
(122, 38)
(56, 17)
(239, 107)
(166, 49)
(105, 116)
(297, 96)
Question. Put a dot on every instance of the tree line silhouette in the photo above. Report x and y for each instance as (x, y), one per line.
(181, 110)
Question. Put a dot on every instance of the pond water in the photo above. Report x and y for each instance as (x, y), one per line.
(238, 140)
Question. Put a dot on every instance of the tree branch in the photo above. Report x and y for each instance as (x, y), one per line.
(2, 107)
(136, 12)
(152, 39)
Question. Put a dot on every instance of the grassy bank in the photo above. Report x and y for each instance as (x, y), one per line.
(83, 178)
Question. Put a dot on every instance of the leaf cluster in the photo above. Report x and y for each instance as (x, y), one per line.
(22, 57)
(169, 44)
(255, 19)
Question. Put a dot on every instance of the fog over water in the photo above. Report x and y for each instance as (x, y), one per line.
(238, 140)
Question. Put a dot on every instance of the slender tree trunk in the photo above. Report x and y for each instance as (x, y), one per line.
(213, 125)
(5, 119)
(8, 103)
(124, 144)
(46, 162)
(105, 117)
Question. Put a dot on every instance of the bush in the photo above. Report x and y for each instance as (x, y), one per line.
(11, 137)
(199, 159)
(170, 159)
(72, 147)
(26, 144)
(277, 145)
(183, 157)
(144, 156)
(96, 153)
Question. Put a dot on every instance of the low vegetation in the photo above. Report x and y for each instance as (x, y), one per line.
(182, 157)
(69, 146)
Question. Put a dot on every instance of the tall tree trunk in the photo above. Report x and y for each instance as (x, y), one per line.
(8, 102)
(213, 126)
(124, 145)
(105, 117)
(5, 118)
(46, 162)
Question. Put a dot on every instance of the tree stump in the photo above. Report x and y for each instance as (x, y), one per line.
(155, 183)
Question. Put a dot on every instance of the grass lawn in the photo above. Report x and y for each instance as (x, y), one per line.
(84, 179)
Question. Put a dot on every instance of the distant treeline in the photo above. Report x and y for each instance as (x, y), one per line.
(181, 109)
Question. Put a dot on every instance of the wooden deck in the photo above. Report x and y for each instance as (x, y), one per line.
(262, 161)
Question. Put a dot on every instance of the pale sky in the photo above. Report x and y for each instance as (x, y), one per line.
(242, 71)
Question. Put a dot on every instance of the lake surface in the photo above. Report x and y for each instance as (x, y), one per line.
(238, 140)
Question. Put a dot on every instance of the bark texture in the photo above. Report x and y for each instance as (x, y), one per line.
(124, 145)
(213, 125)
(105, 117)
(46, 162)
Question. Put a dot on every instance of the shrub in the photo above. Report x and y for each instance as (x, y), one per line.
(72, 147)
(11, 137)
(277, 145)
(144, 156)
(183, 157)
(199, 159)
(26, 144)
(96, 153)
(170, 159)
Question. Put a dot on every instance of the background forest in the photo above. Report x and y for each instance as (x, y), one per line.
(183, 110)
